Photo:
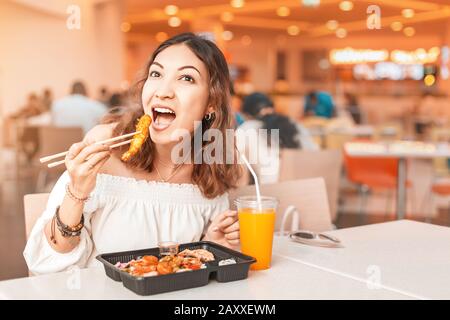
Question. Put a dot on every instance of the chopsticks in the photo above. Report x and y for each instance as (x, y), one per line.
(63, 154)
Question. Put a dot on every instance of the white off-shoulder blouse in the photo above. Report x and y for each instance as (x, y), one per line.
(124, 214)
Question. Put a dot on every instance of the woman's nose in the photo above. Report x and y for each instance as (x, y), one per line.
(164, 90)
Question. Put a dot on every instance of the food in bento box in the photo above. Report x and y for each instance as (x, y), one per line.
(148, 266)
(202, 254)
(139, 138)
(227, 262)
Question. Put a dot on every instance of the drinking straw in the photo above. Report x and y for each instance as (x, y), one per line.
(258, 193)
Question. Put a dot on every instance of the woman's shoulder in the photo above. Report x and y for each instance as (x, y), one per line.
(100, 132)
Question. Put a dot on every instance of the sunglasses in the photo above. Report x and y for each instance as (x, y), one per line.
(315, 238)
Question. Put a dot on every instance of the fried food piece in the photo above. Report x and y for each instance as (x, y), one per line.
(149, 260)
(192, 263)
(202, 254)
(139, 138)
(164, 267)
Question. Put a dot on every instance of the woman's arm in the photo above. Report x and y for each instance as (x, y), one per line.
(83, 162)
(70, 213)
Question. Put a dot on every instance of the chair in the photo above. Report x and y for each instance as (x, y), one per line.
(34, 205)
(308, 196)
(440, 165)
(372, 173)
(303, 164)
(336, 140)
(317, 128)
(54, 140)
(440, 184)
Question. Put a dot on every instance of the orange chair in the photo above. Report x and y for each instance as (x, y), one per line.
(441, 189)
(372, 173)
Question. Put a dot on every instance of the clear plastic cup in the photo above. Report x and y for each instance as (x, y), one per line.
(168, 248)
(257, 223)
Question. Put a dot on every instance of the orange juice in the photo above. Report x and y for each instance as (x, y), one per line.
(256, 228)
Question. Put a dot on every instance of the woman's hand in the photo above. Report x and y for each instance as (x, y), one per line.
(224, 229)
(83, 161)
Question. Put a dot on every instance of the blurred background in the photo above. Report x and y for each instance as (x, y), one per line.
(335, 70)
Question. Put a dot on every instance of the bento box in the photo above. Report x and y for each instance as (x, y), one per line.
(149, 285)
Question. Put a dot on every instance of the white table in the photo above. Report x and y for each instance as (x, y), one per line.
(356, 131)
(413, 259)
(400, 150)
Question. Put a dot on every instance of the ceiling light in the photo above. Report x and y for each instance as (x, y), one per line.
(311, 3)
(237, 3)
(396, 26)
(346, 5)
(227, 16)
(161, 36)
(408, 13)
(409, 31)
(171, 10)
(293, 30)
(332, 25)
(283, 11)
(227, 35)
(341, 33)
(174, 22)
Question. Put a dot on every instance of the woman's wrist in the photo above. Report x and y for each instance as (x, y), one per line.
(76, 194)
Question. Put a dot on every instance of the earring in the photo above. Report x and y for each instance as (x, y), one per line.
(209, 116)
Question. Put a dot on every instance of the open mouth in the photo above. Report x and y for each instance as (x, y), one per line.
(162, 117)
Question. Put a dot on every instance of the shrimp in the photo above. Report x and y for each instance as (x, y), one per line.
(149, 260)
(164, 268)
(139, 138)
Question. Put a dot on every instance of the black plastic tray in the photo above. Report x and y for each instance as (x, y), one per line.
(183, 280)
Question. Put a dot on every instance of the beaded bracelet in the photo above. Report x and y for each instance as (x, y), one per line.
(68, 231)
(73, 197)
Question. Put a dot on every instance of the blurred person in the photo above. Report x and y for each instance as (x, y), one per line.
(236, 104)
(32, 107)
(421, 117)
(117, 102)
(352, 107)
(47, 99)
(77, 110)
(260, 114)
(15, 133)
(104, 96)
(319, 104)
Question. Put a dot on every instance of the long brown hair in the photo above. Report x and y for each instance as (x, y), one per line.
(212, 179)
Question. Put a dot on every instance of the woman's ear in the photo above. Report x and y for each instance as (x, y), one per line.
(209, 110)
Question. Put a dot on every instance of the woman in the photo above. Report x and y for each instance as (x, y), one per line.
(260, 112)
(127, 206)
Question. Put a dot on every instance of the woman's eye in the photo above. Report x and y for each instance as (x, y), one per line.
(186, 77)
(154, 74)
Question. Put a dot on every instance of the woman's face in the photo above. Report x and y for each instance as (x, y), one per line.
(175, 93)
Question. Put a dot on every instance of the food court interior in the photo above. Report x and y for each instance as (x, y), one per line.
(383, 67)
